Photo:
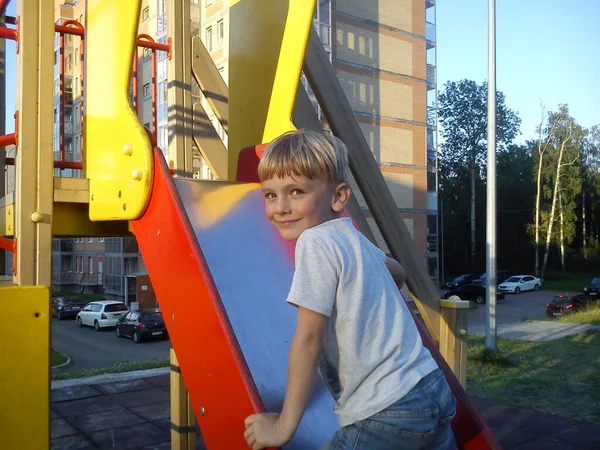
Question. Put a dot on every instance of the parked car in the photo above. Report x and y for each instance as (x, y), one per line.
(566, 304)
(519, 283)
(593, 289)
(101, 314)
(501, 275)
(475, 292)
(66, 307)
(465, 278)
(142, 325)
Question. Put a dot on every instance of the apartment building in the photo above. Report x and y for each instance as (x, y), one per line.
(384, 54)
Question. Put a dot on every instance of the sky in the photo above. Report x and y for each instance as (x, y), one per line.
(546, 50)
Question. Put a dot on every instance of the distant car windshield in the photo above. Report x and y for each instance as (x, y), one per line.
(115, 307)
(596, 281)
(73, 301)
(513, 280)
(152, 317)
(460, 277)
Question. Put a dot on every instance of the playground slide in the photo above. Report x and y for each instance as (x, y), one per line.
(221, 275)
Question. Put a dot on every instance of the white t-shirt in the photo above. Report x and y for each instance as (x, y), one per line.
(373, 354)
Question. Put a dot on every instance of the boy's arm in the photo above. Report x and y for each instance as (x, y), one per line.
(268, 430)
(397, 271)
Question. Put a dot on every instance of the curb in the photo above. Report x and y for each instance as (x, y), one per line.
(108, 377)
(63, 364)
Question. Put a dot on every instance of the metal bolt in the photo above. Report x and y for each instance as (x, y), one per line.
(37, 217)
(202, 410)
(128, 149)
(136, 174)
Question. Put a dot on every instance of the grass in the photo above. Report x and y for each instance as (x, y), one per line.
(57, 358)
(559, 377)
(589, 315)
(116, 368)
(87, 297)
(566, 282)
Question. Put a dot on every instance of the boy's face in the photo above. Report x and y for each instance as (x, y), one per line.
(294, 204)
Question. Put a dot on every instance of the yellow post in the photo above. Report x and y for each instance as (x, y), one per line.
(183, 421)
(119, 160)
(265, 62)
(453, 335)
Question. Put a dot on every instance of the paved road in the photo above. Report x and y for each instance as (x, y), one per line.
(89, 349)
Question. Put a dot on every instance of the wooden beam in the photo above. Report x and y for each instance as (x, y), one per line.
(340, 116)
(209, 143)
(211, 82)
(305, 116)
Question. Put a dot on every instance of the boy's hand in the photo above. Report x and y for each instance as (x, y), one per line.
(264, 431)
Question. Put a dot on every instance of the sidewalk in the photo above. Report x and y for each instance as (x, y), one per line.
(134, 414)
(534, 330)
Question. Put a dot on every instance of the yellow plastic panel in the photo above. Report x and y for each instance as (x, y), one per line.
(25, 368)
(117, 150)
(267, 44)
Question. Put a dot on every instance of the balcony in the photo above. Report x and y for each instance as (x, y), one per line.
(429, 3)
(431, 76)
(430, 34)
(324, 32)
(431, 116)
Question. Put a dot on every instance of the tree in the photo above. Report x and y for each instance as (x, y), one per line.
(566, 140)
(462, 112)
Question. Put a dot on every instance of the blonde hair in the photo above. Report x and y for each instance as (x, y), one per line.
(305, 153)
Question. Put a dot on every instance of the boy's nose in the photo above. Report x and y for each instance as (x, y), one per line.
(283, 206)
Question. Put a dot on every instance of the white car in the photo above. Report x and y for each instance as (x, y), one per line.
(101, 314)
(520, 283)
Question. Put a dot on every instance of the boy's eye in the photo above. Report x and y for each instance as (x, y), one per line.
(297, 192)
(269, 195)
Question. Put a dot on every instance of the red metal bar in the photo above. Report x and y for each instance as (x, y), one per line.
(135, 82)
(57, 164)
(146, 41)
(6, 244)
(154, 108)
(8, 139)
(9, 33)
(3, 6)
(66, 28)
(61, 93)
(81, 78)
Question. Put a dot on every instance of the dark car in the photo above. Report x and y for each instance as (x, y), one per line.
(465, 278)
(142, 325)
(475, 292)
(66, 307)
(566, 304)
(593, 289)
(501, 276)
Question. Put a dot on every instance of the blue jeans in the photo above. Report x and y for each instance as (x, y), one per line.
(419, 420)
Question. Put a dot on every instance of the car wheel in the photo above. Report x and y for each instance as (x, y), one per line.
(59, 315)
(79, 322)
(480, 300)
(517, 290)
(136, 337)
(118, 332)
(536, 287)
(96, 325)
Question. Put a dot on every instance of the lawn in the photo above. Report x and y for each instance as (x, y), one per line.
(589, 315)
(116, 368)
(57, 358)
(566, 282)
(560, 377)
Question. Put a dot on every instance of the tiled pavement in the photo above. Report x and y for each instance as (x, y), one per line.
(134, 414)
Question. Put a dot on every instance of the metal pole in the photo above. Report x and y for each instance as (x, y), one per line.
(490, 329)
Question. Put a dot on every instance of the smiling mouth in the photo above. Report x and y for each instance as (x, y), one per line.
(286, 223)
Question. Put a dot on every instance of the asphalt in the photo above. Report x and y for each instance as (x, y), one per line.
(126, 413)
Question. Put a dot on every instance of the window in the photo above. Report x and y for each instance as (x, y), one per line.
(208, 39)
(68, 62)
(90, 240)
(146, 90)
(208, 3)
(76, 55)
(91, 264)
(147, 52)
(146, 13)
(194, 2)
(220, 33)
(100, 239)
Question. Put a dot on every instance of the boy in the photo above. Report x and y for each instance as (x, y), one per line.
(352, 321)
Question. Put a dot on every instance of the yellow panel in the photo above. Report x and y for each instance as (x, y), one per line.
(7, 220)
(25, 368)
(118, 151)
(265, 62)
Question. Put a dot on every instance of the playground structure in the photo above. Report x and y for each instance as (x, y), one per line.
(219, 272)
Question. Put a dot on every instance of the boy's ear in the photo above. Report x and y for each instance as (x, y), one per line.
(342, 195)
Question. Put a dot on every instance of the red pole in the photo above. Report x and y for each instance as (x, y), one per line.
(3, 6)
(82, 74)
(154, 109)
(61, 142)
(8, 139)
